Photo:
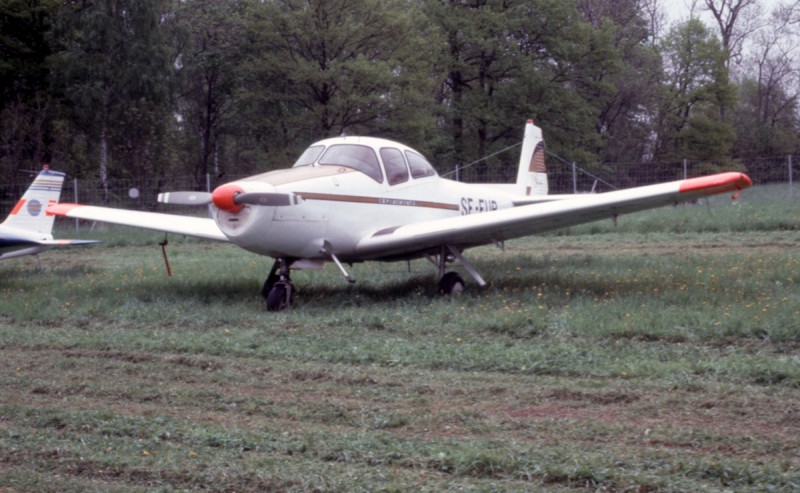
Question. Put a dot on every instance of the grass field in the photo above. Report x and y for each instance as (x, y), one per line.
(660, 354)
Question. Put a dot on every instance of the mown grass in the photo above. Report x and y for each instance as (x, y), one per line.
(658, 354)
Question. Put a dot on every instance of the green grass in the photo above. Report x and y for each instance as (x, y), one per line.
(658, 354)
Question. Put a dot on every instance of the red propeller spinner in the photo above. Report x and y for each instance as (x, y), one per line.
(224, 197)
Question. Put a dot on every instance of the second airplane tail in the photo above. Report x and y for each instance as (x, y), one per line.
(30, 212)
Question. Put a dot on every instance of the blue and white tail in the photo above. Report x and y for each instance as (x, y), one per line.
(532, 172)
(28, 230)
(30, 212)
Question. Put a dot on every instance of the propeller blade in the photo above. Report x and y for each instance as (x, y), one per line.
(185, 198)
(263, 198)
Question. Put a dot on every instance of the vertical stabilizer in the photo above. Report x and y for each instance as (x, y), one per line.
(532, 173)
(29, 213)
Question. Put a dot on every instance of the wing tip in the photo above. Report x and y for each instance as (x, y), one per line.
(62, 209)
(719, 183)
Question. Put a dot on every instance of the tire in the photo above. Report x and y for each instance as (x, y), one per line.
(268, 285)
(451, 283)
(279, 297)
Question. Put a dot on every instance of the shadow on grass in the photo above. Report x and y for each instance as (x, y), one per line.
(43, 270)
(527, 276)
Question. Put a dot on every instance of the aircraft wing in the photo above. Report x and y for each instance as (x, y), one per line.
(505, 224)
(199, 227)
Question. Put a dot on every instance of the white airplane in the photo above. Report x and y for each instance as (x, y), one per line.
(28, 228)
(355, 199)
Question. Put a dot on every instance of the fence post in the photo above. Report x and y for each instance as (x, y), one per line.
(75, 193)
(574, 178)
(458, 173)
(791, 182)
(208, 189)
(685, 169)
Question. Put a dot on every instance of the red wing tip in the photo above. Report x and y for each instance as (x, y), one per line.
(62, 209)
(723, 182)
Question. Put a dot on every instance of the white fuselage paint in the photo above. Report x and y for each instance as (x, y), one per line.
(342, 206)
(16, 242)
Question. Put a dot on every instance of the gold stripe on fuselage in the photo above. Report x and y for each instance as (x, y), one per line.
(359, 199)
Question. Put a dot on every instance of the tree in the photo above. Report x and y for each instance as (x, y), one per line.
(25, 103)
(766, 117)
(111, 73)
(510, 60)
(696, 86)
(210, 51)
(320, 68)
(736, 19)
(628, 97)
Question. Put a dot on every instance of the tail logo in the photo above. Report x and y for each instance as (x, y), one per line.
(34, 207)
(537, 164)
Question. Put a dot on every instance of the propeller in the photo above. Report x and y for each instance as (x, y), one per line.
(230, 197)
(185, 198)
(265, 198)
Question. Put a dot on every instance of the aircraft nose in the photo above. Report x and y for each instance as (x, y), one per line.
(224, 197)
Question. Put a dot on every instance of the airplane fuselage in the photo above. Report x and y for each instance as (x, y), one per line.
(17, 243)
(338, 206)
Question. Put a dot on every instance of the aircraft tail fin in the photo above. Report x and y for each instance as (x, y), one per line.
(30, 212)
(532, 172)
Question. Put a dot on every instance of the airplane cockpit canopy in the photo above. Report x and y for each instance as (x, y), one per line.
(378, 159)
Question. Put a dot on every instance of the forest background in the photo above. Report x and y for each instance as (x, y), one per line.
(150, 90)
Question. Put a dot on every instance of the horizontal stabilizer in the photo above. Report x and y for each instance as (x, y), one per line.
(67, 242)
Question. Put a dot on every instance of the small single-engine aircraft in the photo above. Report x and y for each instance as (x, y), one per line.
(354, 199)
(28, 228)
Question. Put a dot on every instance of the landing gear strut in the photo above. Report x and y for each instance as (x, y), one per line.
(278, 291)
(452, 282)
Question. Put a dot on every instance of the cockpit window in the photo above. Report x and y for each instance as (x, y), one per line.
(358, 157)
(420, 167)
(395, 165)
(309, 156)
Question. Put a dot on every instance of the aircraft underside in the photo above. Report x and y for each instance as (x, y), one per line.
(278, 290)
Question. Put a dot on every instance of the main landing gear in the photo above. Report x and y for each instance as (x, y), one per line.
(278, 291)
(452, 282)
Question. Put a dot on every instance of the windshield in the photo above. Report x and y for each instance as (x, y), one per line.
(358, 157)
(309, 156)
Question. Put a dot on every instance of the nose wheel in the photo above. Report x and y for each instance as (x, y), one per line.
(278, 291)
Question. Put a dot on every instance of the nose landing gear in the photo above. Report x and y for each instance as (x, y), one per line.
(278, 291)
